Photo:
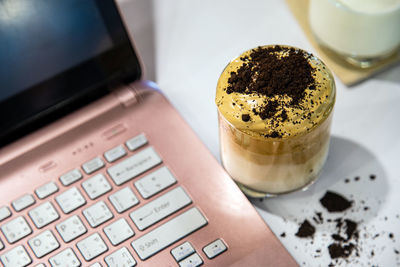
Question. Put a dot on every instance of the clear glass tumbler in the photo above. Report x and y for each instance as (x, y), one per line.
(265, 164)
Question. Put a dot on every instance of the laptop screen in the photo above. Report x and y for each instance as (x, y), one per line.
(56, 53)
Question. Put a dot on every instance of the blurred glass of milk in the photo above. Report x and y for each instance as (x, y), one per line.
(363, 32)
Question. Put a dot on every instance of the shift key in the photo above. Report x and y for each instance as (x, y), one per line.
(169, 233)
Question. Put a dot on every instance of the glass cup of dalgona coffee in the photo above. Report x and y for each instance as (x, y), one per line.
(275, 107)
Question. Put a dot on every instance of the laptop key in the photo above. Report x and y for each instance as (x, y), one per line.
(71, 177)
(65, 258)
(40, 265)
(4, 213)
(16, 257)
(160, 208)
(71, 228)
(136, 142)
(123, 199)
(43, 214)
(93, 165)
(92, 246)
(96, 186)
(192, 261)
(121, 257)
(182, 251)
(96, 264)
(70, 200)
(115, 153)
(155, 182)
(118, 231)
(97, 214)
(134, 166)
(23, 202)
(46, 190)
(214, 249)
(168, 233)
(43, 244)
(16, 229)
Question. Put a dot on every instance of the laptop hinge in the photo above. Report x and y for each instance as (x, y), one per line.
(126, 95)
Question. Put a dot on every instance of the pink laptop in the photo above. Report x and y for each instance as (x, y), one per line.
(96, 167)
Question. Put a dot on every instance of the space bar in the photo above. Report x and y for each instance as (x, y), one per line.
(169, 233)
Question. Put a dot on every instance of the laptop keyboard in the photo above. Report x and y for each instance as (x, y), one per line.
(105, 214)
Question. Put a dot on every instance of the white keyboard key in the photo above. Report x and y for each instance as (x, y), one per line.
(182, 251)
(168, 233)
(46, 190)
(23, 202)
(1, 245)
(115, 153)
(136, 142)
(16, 229)
(43, 244)
(191, 261)
(71, 228)
(71, 177)
(40, 265)
(70, 200)
(16, 257)
(96, 186)
(123, 199)
(214, 249)
(134, 166)
(155, 182)
(43, 215)
(120, 258)
(160, 208)
(96, 264)
(92, 246)
(97, 214)
(65, 258)
(4, 213)
(118, 232)
(93, 165)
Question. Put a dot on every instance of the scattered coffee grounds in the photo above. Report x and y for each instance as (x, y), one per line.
(372, 177)
(306, 230)
(245, 117)
(334, 202)
(283, 234)
(357, 178)
(346, 240)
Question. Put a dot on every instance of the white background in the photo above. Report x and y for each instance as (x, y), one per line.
(185, 44)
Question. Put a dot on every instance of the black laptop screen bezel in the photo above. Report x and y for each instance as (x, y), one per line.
(75, 87)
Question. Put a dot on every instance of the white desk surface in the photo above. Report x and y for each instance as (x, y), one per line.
(185, 45)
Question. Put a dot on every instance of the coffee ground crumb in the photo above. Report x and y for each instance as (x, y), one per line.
(338, 251)
(306, 230)
(334, 202)
(245, 117)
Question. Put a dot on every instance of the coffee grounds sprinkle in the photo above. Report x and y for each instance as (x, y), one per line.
(334, 202)
(266, 72)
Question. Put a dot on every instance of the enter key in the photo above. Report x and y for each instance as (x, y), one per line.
(160, 208)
